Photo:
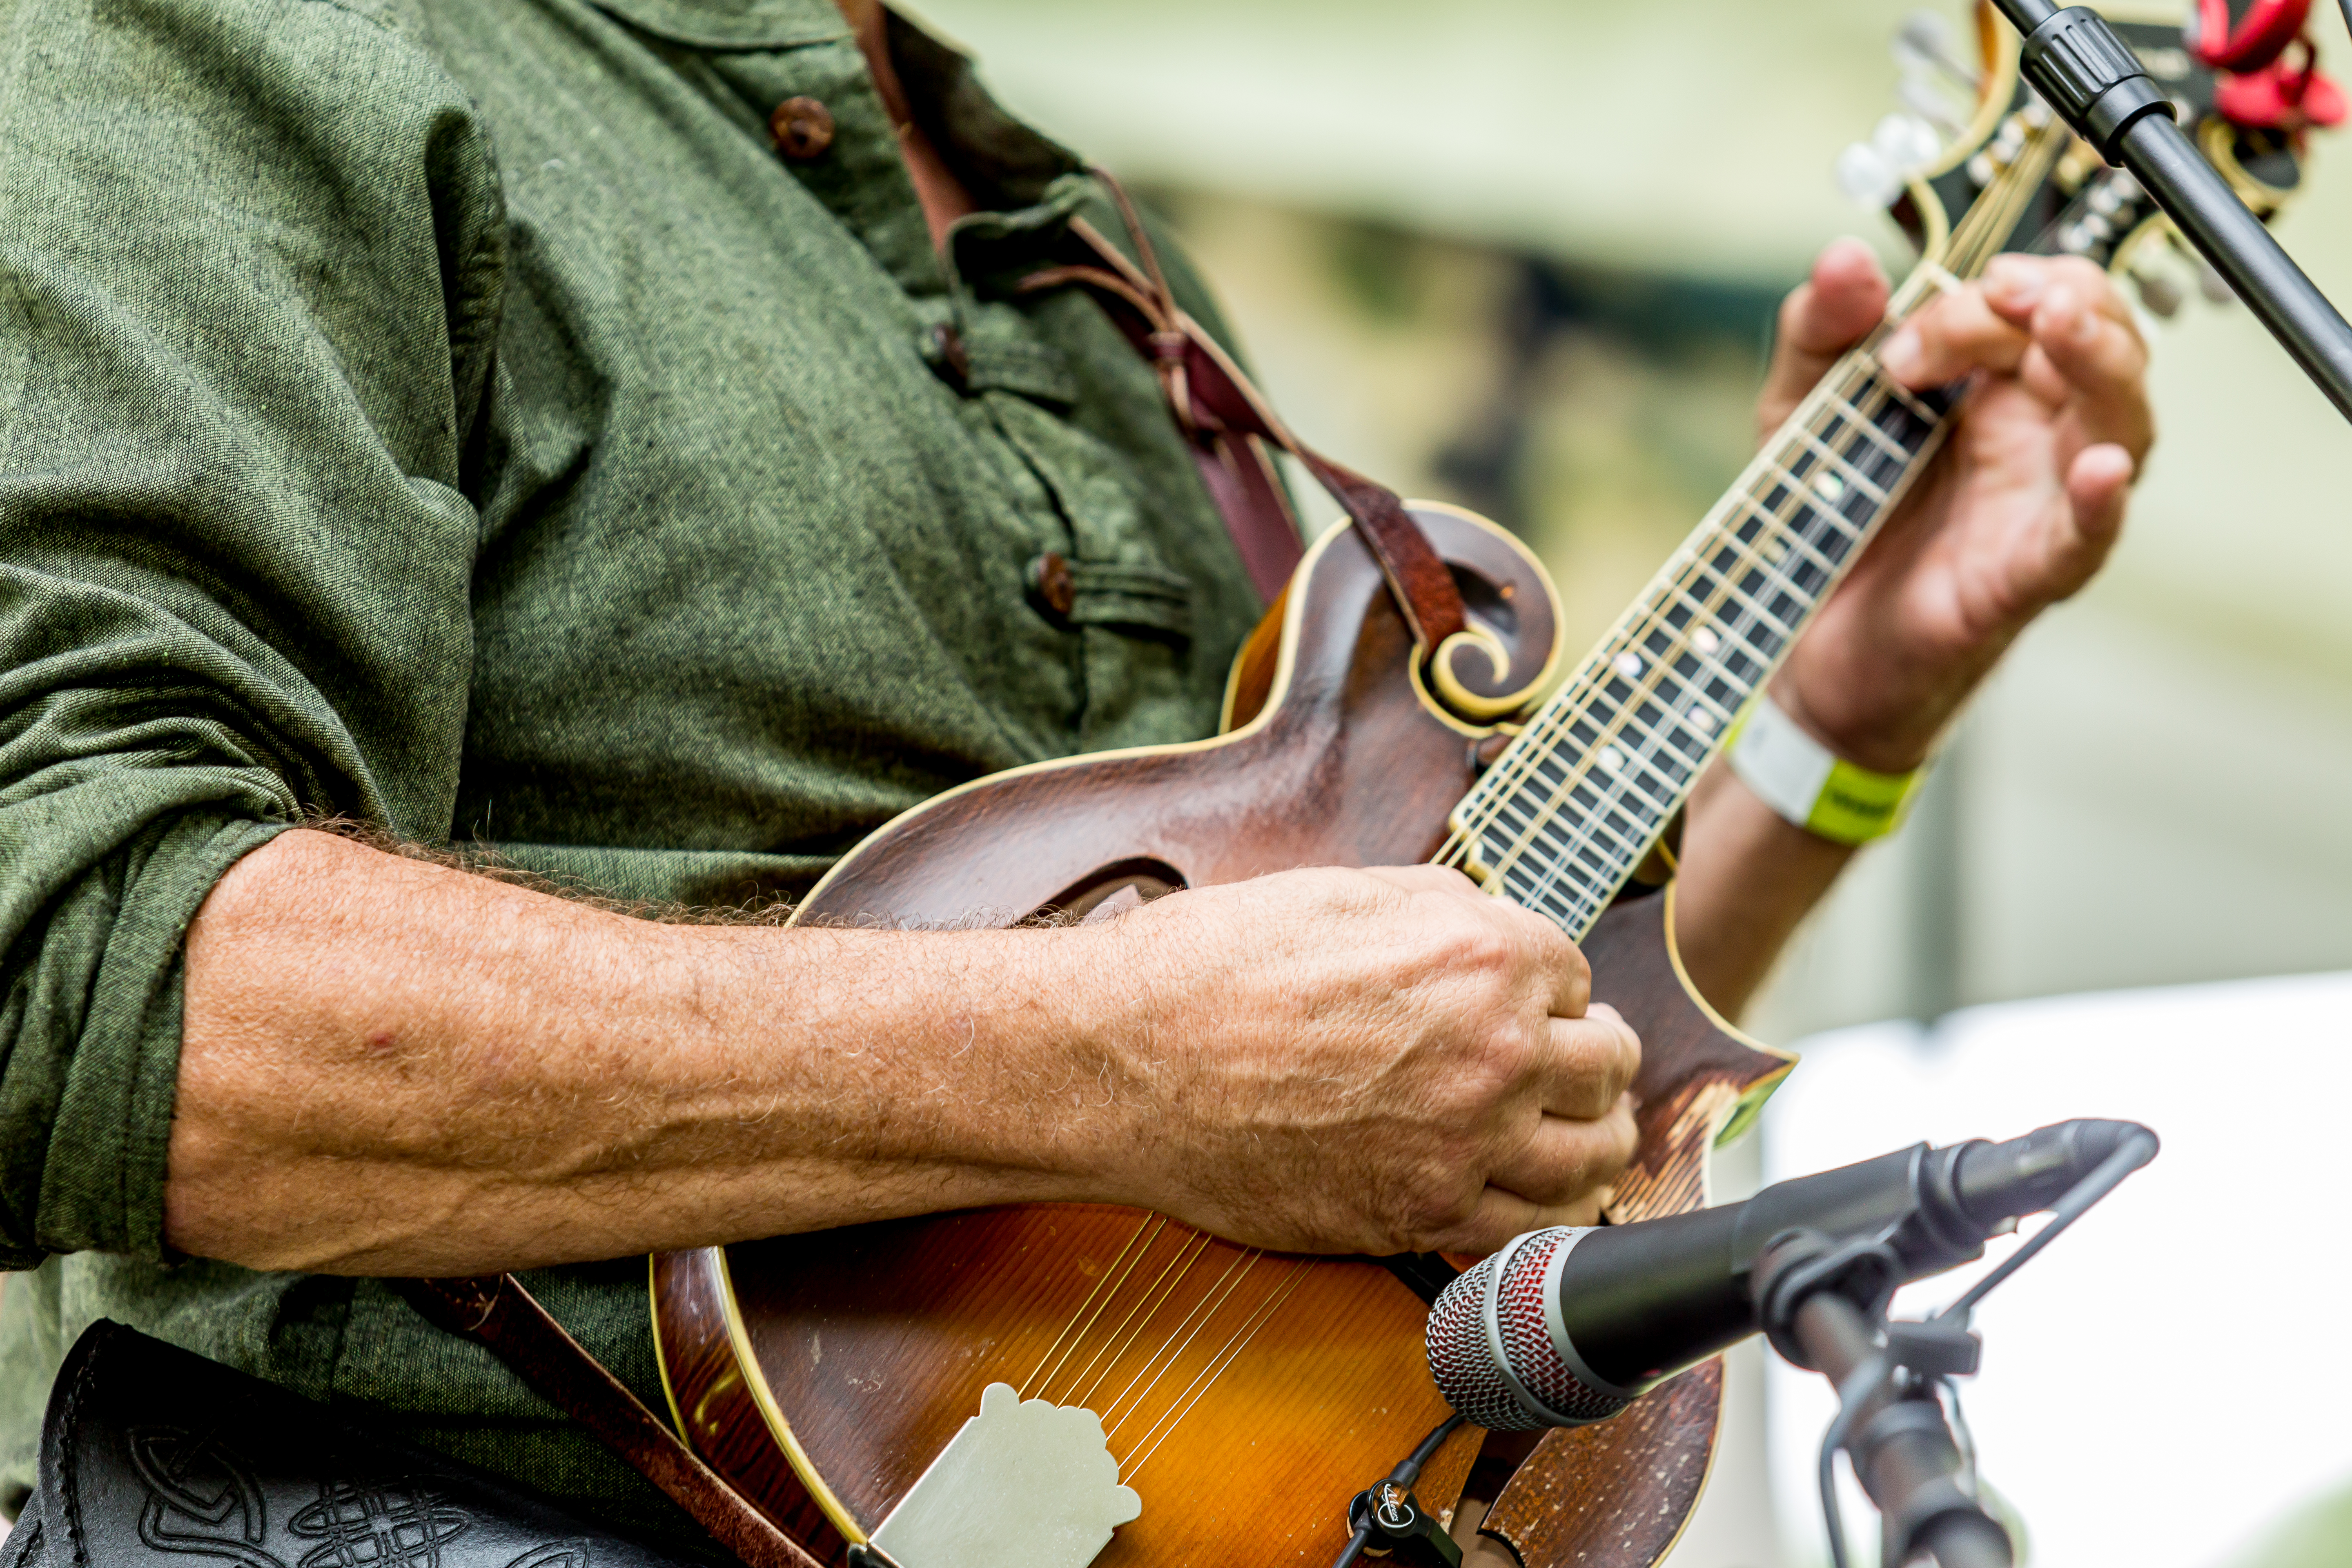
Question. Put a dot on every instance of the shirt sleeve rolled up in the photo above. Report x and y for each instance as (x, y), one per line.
(250, 255)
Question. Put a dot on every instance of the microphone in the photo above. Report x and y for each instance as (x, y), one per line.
(1568, 1326)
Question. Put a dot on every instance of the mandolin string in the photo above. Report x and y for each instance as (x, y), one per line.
(1190, 1250)
(1242, 1341)
(1197, 1318)
(1225, 1357)
(1254, 1318)
(1113, 1277)
(1550, 728)
(1173, 1347)
(1542, 740)
(1123, 1340)
(1545, 744)
(1986, 224)
(1107, 1288)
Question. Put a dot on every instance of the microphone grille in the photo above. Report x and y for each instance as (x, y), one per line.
(1514, 1283)
(1460, 1362)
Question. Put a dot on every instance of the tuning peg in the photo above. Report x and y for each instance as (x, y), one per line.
(1908, 142)
(1926, 99)
(1872, 171)
(2211, 284)
(2160, 291)
(1924, 40)
(1866, 177)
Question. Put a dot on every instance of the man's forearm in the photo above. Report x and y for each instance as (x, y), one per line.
(394, 1067)
(1747, 878)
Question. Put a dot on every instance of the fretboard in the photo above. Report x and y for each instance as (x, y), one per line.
(1575, 803)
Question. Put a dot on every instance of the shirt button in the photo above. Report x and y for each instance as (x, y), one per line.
(803, 127)
(1050, 579)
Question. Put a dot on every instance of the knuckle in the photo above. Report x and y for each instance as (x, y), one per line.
(1576, 971)
(1437, 1206)
(2081, 272)
(1623, 1038)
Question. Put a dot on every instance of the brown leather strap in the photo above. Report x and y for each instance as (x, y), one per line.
(1227, 421)
(496, 1311)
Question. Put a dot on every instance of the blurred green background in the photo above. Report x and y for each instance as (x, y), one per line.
(1522, 254)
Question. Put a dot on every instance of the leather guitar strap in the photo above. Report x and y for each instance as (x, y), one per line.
(1229, 423)
(494, 1310)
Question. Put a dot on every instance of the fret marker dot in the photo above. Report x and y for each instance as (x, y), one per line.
(1775, 551)
(1705, 640)
(1702, 721)
(1628, 664)
(1828, 486)
(1613, 761)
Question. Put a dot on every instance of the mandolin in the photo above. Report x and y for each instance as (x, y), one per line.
(1054, 1384)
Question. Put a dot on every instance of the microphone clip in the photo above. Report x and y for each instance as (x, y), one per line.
(1399, 1529)
(1798, 1265)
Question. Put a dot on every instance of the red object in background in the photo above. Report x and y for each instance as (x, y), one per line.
(2270, 25)
(2280, 97)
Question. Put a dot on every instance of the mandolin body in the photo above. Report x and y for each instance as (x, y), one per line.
(1245, 1397)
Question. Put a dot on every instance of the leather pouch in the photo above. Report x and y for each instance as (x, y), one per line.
(153, 1457)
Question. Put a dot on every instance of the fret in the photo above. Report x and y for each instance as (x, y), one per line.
(1543, 876)
(1669, 752)
(1652, 700)
(1739, 682)
(1649, 699)
(1540, 820)
(1585, 852)
(1646, 762)
(1795, 487)
(1904, 418)
(1853, 476)
(1756, 510)
(1920, 410)
(1699, 703)
(1792, 503)
(1544, 823)
(1601, 813)
(1862, 422)
(1730, 589)
(1861, 443)
(1697, 712)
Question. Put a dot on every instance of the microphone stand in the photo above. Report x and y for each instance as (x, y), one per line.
(1822, 1304)
(2095, 82)
(1825, 1306)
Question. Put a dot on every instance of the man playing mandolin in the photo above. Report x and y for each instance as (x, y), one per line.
(526, 421)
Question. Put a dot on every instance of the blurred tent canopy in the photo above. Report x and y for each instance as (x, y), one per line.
(1694, 137)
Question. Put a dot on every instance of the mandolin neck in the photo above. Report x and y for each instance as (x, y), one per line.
(1577, 800)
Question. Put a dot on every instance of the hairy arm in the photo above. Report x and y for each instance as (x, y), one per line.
(394, 1067)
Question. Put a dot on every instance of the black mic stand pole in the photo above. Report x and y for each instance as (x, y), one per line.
(1824, 1306)
(2093, 82)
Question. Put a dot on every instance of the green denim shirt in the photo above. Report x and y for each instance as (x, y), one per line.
(455, 414)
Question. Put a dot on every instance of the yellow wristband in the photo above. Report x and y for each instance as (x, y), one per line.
(1810, 786)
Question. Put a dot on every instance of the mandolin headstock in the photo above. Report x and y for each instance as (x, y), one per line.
(1968, 121)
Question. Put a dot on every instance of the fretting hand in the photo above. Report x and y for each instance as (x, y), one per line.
(2016, 513)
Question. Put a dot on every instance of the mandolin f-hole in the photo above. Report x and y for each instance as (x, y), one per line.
(1115, 888)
